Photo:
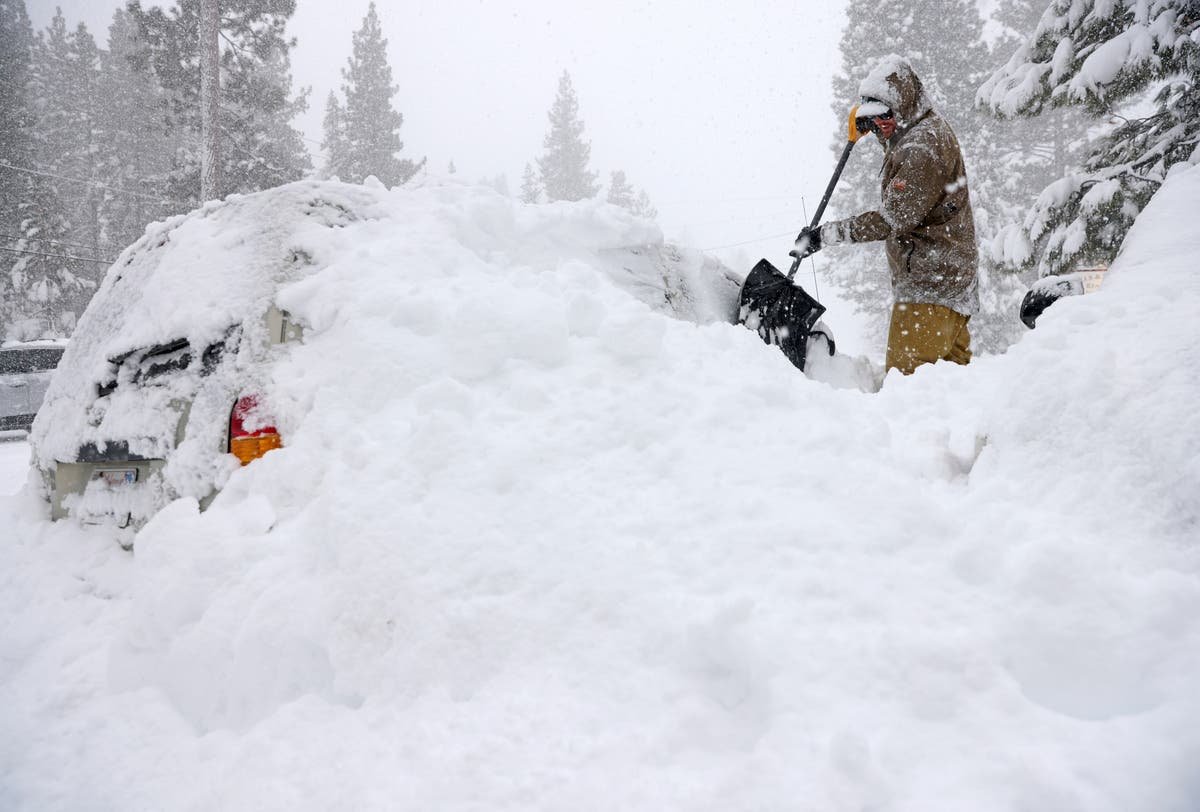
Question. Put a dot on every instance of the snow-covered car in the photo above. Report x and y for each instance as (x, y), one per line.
(25, 371)
(163, 390)
(172, 379)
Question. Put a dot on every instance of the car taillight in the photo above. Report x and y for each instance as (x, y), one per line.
(245, 444)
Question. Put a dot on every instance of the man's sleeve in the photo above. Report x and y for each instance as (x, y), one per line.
(907, 201)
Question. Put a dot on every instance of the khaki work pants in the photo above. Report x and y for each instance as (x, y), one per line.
(925, 333)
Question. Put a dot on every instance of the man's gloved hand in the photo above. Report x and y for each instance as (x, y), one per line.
(808, 242)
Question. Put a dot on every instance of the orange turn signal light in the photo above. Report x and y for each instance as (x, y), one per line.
(249, 444)
(248, 449)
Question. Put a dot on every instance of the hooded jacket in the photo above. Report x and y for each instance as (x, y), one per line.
(925, 217)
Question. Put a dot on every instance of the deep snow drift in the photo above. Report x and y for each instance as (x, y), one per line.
(533, 544)
(181, 317)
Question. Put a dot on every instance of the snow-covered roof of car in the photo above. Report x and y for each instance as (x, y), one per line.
(194, 275)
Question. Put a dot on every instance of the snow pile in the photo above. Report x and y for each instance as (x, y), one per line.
(193, 293)
(532, 544)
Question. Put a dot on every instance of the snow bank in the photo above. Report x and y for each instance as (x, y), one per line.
(532, 544)
(328, 251)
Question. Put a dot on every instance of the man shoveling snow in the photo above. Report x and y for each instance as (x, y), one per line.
(924, 217)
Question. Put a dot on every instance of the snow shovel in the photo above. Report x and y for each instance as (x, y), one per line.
(779, 310)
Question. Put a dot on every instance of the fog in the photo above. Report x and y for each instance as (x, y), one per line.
(722, 114)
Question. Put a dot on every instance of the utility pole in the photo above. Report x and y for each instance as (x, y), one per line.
(210, 62)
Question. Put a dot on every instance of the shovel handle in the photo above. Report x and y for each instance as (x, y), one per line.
(837, 173)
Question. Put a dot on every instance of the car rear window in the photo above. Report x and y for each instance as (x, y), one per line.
(150, 363)
(22, 361)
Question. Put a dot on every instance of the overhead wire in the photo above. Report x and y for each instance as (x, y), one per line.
(57, 256)
(748, 242)
(98, 185)
(47, 240)
(812, 259)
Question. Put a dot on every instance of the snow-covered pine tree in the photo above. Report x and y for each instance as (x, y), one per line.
(16, 121)
(531, 188)
(66, 82)
(620, 191)
(1137, 61)
(370, 140)
(135, 146)
(1018, 155)
(642, 206)
(260, 148)
(1051, 145)
(37, 272)
(16, 147)
(334, 142)
(564, 164)
(943, 39)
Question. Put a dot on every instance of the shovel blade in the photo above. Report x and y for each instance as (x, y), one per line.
(780, 311)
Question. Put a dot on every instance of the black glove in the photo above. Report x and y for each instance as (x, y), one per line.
(808, 242)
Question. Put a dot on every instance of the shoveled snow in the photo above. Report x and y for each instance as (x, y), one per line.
(533, 545)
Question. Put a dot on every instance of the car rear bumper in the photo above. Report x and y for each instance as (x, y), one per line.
(111, 491)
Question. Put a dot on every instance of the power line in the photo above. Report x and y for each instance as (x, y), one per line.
(55, 242)
(57, 256)
(812, 259)
(748, 242)
(789, 214)
(725, 199)
(28, 171)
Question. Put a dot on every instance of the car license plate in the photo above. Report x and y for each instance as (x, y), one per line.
(116, 476)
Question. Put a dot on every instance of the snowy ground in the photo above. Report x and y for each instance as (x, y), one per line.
(585, 556)
(14, 461)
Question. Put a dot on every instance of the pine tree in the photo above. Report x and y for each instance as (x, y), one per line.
(1099, 56)
(259, 147)
(16, 150)
(1018, 155)
(68, 141)
(563, 165)
(136, 147)
(642, 206)
(369, 139)
(620, 192)
(531, 188)
(16, 119)
(334, 143)
(1050, 146)
(39, 274)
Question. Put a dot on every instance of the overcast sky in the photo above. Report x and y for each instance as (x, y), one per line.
(721, 111)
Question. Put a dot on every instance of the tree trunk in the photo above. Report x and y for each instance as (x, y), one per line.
(210, 157)
(1058, 121)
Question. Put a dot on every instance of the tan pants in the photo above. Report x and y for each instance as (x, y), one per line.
(925, 333)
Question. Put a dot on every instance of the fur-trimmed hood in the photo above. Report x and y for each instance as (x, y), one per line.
(894, 82)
